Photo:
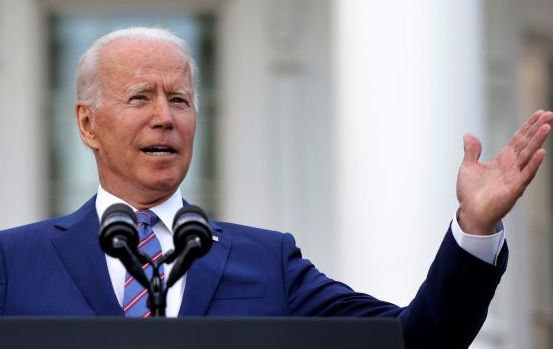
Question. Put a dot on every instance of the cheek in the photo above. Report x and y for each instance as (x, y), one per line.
(190, 122)
(190, 135)
(122, 127)
(116, 142)
(188, 130)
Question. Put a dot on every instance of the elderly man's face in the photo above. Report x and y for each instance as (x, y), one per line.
(143, 132)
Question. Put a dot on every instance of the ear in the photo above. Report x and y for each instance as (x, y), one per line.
(85, 122)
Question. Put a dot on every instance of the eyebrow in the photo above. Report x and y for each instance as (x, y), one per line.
(138, 88)
(183, 91)
(146, 87)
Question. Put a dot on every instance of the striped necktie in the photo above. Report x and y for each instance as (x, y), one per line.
(134, 301)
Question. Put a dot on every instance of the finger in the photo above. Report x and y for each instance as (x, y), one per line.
(521, 132)
(521, 139)
(532, 121)
(533, 145)
(472, 147)
(532, 168)
(544, 118)
(534, 117)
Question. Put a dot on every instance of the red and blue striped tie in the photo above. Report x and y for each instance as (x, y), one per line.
(134, 301)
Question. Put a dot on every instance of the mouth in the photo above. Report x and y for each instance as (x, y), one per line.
(159, 150)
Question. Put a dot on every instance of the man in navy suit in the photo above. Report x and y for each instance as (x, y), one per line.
(136, 111)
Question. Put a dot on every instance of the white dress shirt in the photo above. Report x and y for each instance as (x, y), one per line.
(486, 248)
(117, 272)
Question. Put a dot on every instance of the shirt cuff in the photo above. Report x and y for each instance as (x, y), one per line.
(484, 247)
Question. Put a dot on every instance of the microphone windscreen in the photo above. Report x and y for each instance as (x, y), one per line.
(191, 222)
(119, 209)
(118, 222)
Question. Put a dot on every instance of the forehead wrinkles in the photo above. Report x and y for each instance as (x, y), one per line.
(149, 76)
(134, 62)
(128, 80)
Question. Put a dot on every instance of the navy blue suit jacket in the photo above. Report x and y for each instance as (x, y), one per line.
(56, 268)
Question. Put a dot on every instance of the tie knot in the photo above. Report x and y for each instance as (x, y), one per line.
(147, 217)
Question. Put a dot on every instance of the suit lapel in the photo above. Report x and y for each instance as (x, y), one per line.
(78, 248)
(203, 277)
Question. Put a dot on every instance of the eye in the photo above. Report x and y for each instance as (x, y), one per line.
(138, 98)
(180, 101)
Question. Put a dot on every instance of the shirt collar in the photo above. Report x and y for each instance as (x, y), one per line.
(165, 211)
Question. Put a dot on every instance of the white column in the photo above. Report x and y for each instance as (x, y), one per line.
(23, 149)
(511, 316)
(275, 139)
(408, 82)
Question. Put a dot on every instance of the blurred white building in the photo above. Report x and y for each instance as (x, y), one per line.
(340, 121)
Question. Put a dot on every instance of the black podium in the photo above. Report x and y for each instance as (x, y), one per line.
(200, 333)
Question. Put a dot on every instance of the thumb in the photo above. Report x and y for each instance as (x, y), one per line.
(472, 147)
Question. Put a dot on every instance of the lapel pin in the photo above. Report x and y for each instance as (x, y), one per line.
(215, 238)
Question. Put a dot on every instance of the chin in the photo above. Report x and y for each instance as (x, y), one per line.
(162, 179)
(164, 183)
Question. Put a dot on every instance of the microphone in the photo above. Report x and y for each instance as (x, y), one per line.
(119, 239)
(192, 237)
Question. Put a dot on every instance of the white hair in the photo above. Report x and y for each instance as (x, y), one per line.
(88, 77)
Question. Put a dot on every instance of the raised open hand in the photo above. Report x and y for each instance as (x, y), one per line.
(488, 190)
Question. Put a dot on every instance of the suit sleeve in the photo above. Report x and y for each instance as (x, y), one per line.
(3, 280)
(447, 312)
(452, 303)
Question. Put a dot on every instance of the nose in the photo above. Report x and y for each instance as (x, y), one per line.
(162, 115)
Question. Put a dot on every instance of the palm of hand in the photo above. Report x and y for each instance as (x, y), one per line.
(488, 190)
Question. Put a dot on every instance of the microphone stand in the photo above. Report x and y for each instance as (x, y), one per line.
(157, 289)
(157, 292)
(119, 239)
